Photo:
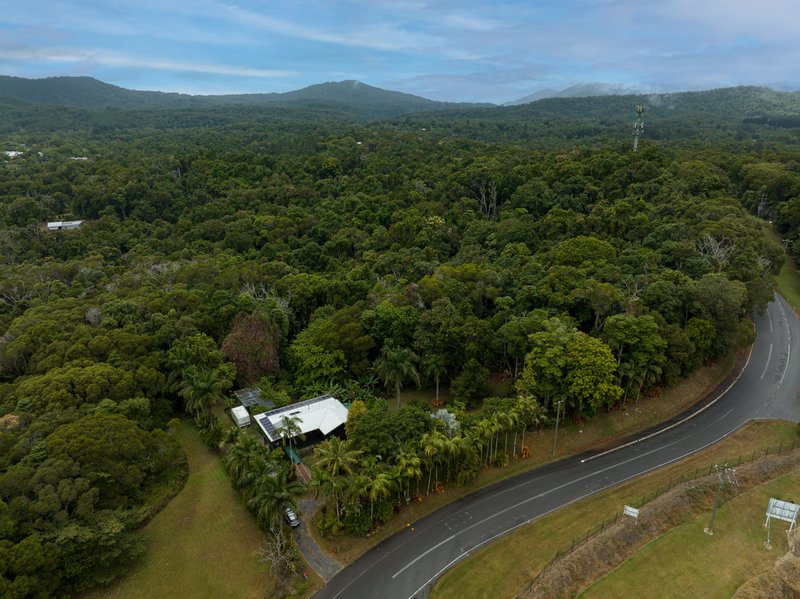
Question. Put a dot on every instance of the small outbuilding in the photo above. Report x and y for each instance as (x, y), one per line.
(241, 416)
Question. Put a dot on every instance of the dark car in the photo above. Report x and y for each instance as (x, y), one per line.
(291, 517)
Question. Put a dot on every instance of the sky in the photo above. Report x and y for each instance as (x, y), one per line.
(460, 50)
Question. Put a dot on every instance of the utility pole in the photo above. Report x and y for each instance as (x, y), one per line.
(709, 530)
(638, 126)
(555, 435)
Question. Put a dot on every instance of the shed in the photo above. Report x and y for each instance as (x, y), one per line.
(240, 416)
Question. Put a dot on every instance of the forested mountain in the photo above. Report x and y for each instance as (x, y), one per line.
(715, 115)
(355, 98)
(305, 252)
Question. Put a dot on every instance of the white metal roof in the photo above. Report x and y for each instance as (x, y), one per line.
(240, 414)
(324, 414)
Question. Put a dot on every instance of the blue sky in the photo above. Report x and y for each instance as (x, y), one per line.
(444, 50)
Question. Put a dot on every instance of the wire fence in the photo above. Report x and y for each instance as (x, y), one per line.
(648, 497)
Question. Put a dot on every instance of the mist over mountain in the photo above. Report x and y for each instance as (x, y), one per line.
(581, 90)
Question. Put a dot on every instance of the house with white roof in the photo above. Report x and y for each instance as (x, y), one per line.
(316, 418)
(64, 225)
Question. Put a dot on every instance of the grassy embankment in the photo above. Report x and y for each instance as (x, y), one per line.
(507, 565)
(572, 438)
(788, 283)
(203, 544)
(678, 563)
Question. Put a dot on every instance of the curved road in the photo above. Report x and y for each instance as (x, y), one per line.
(405, 565)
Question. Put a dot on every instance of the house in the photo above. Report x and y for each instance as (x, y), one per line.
(315, 418)
(64, 225)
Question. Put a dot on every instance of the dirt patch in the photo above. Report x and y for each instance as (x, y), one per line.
(782, 583)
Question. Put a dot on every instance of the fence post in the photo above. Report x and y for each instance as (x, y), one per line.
(780, 449)
(696, 471)
(739, 462)
(754, 456)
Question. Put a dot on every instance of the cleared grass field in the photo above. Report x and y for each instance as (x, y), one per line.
(686, 562)
(203, 544)
(507, 565)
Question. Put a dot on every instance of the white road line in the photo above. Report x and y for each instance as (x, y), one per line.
(769, 355)
(786, 367)
(689, 417)
(770, 321)
(420, 556)
(614, 484)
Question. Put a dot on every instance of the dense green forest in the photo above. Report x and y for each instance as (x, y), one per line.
(308, 252)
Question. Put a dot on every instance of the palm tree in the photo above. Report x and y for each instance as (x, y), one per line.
(353, 487)
(243, 457)
(270, 495)
(432, 445)
(530, 413)
(328, 484)
(378, 487)
(334, 456)
(201, 389)
(394, 366)
(509, 420)
(231, 437)
(435, 366)
(409, 467)
(289, 429)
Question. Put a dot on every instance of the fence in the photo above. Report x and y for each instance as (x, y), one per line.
(648, 497)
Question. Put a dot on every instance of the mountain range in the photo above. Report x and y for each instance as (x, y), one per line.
(87, 92)
(579, 112)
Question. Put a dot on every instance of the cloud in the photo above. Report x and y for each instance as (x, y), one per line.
(110, 59)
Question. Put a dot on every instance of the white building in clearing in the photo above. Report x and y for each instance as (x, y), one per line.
(316, 417)
(64, 225)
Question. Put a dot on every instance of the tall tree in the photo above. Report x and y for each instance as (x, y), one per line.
(395, 366)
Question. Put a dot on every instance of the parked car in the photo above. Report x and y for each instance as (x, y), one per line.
(291, 517)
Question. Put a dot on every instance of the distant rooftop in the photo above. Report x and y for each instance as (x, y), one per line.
(63, 225)
(324, 413)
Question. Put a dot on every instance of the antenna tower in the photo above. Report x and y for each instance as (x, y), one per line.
(638, 126)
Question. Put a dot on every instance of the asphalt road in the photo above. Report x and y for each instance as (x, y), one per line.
(405, 565)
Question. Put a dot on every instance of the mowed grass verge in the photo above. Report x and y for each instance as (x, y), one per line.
(788, 279)
(686, 562)
(203, 544)
(507, 565)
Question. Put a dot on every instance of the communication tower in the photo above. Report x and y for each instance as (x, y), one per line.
(638, 126)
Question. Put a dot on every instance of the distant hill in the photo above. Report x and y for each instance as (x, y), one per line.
(553, 122)
(358, 99)
(582, 90)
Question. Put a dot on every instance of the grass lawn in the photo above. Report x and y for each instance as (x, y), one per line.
(572, 438)
(788, 279)
(507, 565)
(676, 564)
(203, 544)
